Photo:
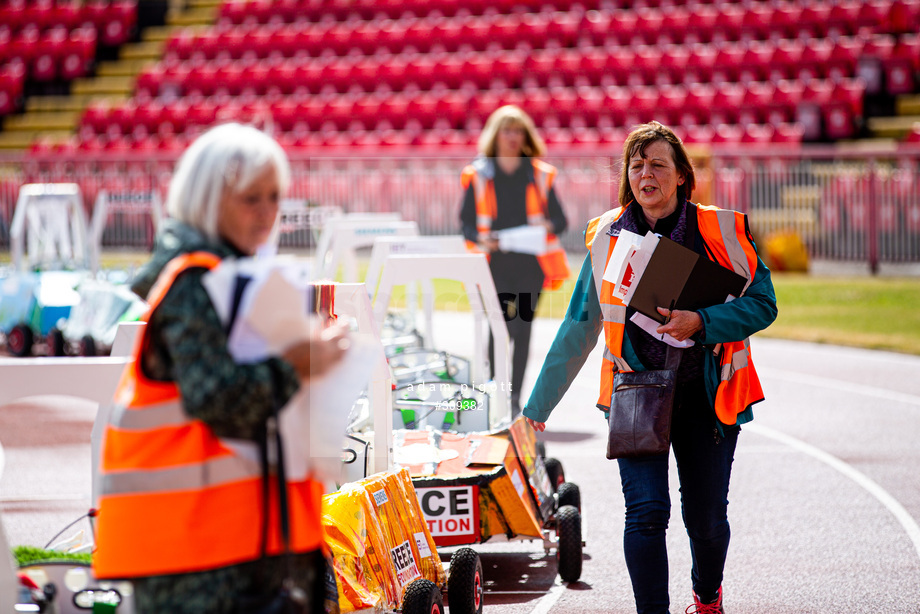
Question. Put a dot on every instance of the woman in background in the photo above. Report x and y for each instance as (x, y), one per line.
(505, 187)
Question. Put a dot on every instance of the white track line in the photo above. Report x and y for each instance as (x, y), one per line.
(841, 386)
(549, 600)
(891, 504)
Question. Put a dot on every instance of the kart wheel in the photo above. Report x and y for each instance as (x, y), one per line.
(19, 341)
(423, 597)
(554, 472)
(569, 494)
(568, 551)
(87, 346)
(464, 582)
(56, 342)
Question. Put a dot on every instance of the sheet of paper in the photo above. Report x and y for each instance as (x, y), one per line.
(614, 271)
(525, 239)
(637, 262)
(650, 326)
(272, 313)
(314, 420)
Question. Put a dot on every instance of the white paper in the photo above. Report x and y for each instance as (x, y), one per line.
(272, 315)
(636, 263)
(527, 239)
(650, 326)
(313, 422)
(614, 271)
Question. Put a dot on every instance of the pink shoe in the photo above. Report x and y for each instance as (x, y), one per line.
(699, 607)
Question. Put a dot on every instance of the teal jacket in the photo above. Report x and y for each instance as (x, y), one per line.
(583, 325)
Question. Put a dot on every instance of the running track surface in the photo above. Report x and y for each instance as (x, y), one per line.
(824, 502)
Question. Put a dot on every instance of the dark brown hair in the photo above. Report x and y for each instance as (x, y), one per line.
(637, 141)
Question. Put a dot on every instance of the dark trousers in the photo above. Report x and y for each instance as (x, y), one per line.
(704, 462)
(518, 281)
(518, 310)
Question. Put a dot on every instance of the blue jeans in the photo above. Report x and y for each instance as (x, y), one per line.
(704, 464)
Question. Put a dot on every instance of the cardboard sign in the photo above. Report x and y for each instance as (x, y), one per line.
(452, 513)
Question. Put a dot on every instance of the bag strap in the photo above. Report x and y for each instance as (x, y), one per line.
(672, 357)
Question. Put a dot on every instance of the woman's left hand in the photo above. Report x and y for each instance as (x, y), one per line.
(681, 325)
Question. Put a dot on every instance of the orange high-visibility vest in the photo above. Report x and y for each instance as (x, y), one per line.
(724, 232)
(553, 261)
(175, 497)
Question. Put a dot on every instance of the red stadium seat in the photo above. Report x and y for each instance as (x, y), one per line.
(700, 63)
(698, 104)
(649, 24)
(704, 19)
(843, 57)
(49, 53)
(757, 134)
(901, 68)
(676, 22)
(788, 134)
(758, 96)
(729, 23)
(78, 55)
(787, 56)
(674, 60)
(843, 18)
(726, 103)
(813, 21)
(815, 58)
(727, 62)
(755, 64)
(903, 17)
(698, 135)
(756, 23)
(728, 134)
(786, 99)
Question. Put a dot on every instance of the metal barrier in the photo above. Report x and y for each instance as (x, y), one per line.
(846, 205)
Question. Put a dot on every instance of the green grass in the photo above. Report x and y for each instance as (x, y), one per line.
(28, 555)
(869, 312)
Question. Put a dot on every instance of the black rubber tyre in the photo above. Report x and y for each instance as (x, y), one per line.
(554, 472)
(569, 494)
(568, 547)
(87, 346)
(464, 582)
(19, 341)
(56, 344)
(423, 597)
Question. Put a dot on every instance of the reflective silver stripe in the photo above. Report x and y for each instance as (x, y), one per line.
(150, 417)
(599, 248)
(613, 313)
(483, 222)
(534, 219)
(739, 361)
(196, 476)
(541, 180)
(553, 245)
(733, 246)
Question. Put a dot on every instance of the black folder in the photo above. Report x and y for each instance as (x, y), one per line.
(691, 281)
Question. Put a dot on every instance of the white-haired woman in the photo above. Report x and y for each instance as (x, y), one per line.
(505, 187)
(182, 506)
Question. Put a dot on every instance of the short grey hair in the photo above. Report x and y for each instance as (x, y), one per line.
(226, 157)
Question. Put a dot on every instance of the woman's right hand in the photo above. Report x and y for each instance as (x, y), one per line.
(488, 245)
(314, 356)
(537, 426)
